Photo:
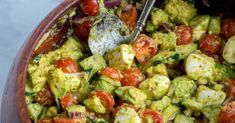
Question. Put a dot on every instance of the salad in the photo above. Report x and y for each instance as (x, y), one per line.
(181, 69)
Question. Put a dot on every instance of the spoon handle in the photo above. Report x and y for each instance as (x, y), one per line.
(143, 18)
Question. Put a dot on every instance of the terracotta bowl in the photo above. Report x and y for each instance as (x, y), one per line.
(14, 108)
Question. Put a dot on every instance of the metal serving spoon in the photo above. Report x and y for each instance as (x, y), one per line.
(106, 34)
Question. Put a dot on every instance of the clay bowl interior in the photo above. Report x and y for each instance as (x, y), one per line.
(14, 108)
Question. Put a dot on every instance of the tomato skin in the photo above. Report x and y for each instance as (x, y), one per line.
(154, 115)
(229, 88)
(67, 65)
(228, 28)
(89, 7)
(82, 31)
(210, 44)
(112, 73)
(227, 114)
(68, 120)
(106, 99)
(67, 100)
(145, 48)
(132, 77)
(45, 96)
(184, 35)
(130, 17)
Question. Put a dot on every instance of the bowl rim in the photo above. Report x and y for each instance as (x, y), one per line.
(13, 99)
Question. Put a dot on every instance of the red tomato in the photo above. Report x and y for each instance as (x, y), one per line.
(106, 99)
(45, 121)
(82, 31)
(145, 48)
(227, 115)
(112, 73)
(67, 65)
(68, 120)
(67, 100)
(184, 35)
(210, 44)
(154, 115)
(229, 88)
(228, 28)
(89, 7)
(130, 17)
(132, 77)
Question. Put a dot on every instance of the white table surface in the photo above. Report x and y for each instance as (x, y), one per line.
(18, 18)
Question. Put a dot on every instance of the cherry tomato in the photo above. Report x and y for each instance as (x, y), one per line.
(45, 121)
(227, 114)
(210, 44)
(106, 99)
(130, 17)
(132, 77)
(145, 48)
(45, 96)
(184, 35)
(112, 73)
(67, 65)
(82, 31)
(89, 7)
(154, 115)
(228, 28)
(229, 88)
(69, 120)
(68, 100)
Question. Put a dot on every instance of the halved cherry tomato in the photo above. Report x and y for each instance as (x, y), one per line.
(112, 73)
(45, 96)
(184, 35)
(210, 44)
(67, 65)
(132, 77)
(82, 31)
(228, 28)
(68, 120)
(145, 48)
(130, 17)
(89, 7)
(45, 121)
(106, 99)
(227, 114)
(68, 100)
(229, 88)
(154, 115)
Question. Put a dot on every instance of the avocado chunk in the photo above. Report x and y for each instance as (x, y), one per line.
(39, 67)
(93, 64)
(214, 26)
(158, 17)
(84, 90)
(222, 72)
(75, 109)
(192, 104)
(229, 50)
(208, 96)
(127, 115)
(185, 50)
(149, 27)
(180, 118)
(57, 83)
(132, 95)
(106, 84)
(155, 87)
(170, 113)
(35, 110)
(166, 41)
(121, 58)
(200, 25)
(180, 11)
(212, 113)
(200, 67)
(183, 87)
(159, 69)
(162, 104)
(94, 104)
(51, 112)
